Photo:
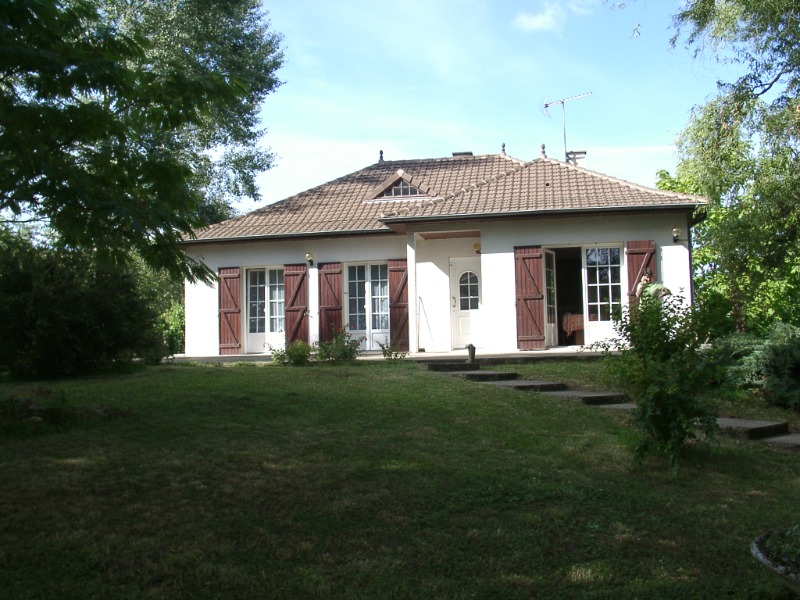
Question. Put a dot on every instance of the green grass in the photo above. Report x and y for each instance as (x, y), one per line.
(366, 481)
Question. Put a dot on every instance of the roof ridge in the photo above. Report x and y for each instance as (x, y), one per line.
(519, 166)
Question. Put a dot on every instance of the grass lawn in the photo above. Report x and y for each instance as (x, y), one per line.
(373, 480)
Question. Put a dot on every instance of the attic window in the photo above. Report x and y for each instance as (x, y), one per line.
(401, 188)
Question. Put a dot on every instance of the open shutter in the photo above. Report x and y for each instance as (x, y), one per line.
(639, 255)
(530, 297)
(295, 284)
(230, 313)
(398, 304)
(330, 300)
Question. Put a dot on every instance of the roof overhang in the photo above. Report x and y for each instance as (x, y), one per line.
(399, 223)
(279, 237)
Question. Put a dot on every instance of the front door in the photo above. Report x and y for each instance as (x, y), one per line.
(550, 305)
(368, 304)
(465, 300)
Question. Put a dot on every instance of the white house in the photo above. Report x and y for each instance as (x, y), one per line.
(432, 255)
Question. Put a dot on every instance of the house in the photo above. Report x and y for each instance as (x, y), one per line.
(432, 255)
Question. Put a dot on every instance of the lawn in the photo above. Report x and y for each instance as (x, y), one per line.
(373, 480)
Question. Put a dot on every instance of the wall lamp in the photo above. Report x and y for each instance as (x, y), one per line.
(310, 259)
(477, 247)
(676, 233)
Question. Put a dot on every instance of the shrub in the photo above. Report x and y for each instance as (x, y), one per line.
(390, 353)
(172, 327)
(340, 349)
(660, 367)
(770, 363)
(296, 354)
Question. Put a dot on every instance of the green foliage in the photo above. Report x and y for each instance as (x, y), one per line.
(659, 366)
(390, 353)
(782, 547)
(770, 363)
(343, 347)
(107, 137)
(63, 314)
(172, 327)
(296, 354)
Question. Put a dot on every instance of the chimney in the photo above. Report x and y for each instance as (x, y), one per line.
(457, 154)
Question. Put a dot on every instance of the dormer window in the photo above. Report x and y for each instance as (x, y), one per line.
(401, 188)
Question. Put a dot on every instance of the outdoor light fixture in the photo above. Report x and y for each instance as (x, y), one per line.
(310, 259)
(477, 247)
(675, 235)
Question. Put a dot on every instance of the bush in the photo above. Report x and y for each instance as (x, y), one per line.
(390, 353)
(660, 367)
(770, 363)
(341, 348)
(172, 327)
(296, 354)
(64, 314)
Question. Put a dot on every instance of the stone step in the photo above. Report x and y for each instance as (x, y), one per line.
(749, 429)
(486, 375)
(790, 440)
(591, 397)
(530, 385)
(450, 366)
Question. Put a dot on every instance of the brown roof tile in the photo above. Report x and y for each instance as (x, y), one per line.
(489, 185)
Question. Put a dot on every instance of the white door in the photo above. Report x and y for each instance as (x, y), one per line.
(368, 304)
(465, 300)
(550, 304)
(264, 310)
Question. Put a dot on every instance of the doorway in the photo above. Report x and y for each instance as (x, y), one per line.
(569, 311)
(465, 300)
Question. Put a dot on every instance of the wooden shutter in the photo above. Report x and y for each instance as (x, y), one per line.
(639, 255)
(330, 300)
(530, 297)
(230, 313)
(398, 305)
(295, 285)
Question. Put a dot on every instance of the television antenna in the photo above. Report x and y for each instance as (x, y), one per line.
(562, 102)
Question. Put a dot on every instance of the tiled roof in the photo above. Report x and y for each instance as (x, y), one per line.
(489, 185)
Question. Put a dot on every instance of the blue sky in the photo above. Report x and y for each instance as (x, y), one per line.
(425, 78)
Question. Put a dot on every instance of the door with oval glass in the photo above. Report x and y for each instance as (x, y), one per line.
(465, 300)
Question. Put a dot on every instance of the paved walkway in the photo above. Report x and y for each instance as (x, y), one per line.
(769, 432)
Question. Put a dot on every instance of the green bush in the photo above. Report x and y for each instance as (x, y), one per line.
(296, 354)
(390, 353)
(340, 349)
(770, 363)
(172, 327)
(658, 364)
(63, 313)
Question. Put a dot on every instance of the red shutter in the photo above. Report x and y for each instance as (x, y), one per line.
(639, 255)
(230, 314)
(530, 297)
(398, 305)
(295, 285)
(330, 300)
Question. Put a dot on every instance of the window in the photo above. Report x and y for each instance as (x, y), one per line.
(256, 300)
(276, 301)
(356, 290)
(401, 188)
(468, 291)
(603, 284)
(265, 300)
(379, 281)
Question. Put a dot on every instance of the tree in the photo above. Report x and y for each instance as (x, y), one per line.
(741, 151)
(108, 137)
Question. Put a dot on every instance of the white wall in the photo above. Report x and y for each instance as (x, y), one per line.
(496, 327)
(202, 316)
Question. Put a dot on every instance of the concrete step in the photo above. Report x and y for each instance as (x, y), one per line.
(591, 397)
(450, 366)
(530, 385)
(790, 440)
(749, 429)
(486, 375)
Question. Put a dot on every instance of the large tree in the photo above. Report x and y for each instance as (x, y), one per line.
(741, 150)
(124, 125)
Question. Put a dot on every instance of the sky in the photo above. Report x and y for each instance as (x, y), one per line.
(426, 78)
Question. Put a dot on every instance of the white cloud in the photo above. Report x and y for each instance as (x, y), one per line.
(553, 15)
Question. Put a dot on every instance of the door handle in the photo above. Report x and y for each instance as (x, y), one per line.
(453, 301)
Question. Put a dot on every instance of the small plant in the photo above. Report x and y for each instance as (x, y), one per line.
(296, 354)
(783, 548)
(343, 347)
(390, 353)
(660, 367)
